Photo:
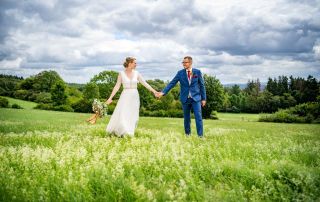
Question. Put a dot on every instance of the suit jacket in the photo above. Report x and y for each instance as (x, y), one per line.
(196, 87)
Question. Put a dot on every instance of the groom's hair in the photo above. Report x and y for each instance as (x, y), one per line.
(189, 58)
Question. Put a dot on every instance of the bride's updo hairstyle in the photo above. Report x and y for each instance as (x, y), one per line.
(128, 60)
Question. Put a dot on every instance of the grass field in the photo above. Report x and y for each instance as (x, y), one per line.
(57, 156)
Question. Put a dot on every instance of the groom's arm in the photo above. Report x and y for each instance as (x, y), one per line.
(171, 84)
(202, 88)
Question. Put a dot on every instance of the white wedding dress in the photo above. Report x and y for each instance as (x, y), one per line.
(125, 116)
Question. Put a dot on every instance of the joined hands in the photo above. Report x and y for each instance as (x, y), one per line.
(158, 94)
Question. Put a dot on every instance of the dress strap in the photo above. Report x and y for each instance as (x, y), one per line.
(136, 73)
(121, 74)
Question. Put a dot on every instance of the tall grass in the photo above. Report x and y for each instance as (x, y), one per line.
(56, 156)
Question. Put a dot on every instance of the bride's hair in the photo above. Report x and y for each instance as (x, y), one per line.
(128, 60)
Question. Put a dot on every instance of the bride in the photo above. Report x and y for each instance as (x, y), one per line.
(125, 116)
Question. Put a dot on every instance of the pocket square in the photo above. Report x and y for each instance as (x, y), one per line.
(195, 76)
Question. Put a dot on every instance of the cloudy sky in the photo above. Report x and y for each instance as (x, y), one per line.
(234, 40)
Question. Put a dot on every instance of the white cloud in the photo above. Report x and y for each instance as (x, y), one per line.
(11, 64)
(233, 39)
(316, 50)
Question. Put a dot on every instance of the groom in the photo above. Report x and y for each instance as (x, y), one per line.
(192, 94)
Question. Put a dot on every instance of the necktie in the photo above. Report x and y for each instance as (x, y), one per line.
(189, 75)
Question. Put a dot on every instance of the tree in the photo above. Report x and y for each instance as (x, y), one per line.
(272, 86)
(43, 98)
(8, 84)
(74, 95)
(235, 90)
(58, 94)
(215, 95)
(91, 91)
(44, 81)
(234, 100)
(296, 88)
(226, 100)
(251, 104)
(105, 81)
(146, 98)
(253, 87)
(283, 86)
(266, 102)
(26, 84)
(287, 101)
(311, 90)
(167, 103)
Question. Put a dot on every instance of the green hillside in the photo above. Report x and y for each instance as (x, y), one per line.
(22, 103)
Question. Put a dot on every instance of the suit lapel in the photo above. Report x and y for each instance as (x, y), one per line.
(192, 75)
(185, 76)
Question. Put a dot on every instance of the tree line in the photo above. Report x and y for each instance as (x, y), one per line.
(49, 90)
(280, 93)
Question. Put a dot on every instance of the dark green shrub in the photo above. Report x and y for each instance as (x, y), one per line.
(303, 113)
(111, 108)
(43, 98)
(64, 108)
(178, 113)
(4, 102)
(21, 94)
(44, 106)
(16, 106)
(83, 105)
(214, 115)
(233, 109)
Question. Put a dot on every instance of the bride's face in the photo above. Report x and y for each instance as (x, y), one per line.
(132, 65)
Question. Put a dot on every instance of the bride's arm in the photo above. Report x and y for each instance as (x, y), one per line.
(145, 84)
(115, 89)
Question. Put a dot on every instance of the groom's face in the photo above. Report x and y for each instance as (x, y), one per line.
(186, 63)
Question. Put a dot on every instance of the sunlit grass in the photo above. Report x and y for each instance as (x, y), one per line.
(57, 156)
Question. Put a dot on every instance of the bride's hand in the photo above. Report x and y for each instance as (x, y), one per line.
(109, 101)
(158, 94)
(155, 93)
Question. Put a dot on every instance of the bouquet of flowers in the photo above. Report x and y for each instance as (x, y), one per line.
(99, 109)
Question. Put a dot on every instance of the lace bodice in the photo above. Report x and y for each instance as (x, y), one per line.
(128, 83)
(132, 83)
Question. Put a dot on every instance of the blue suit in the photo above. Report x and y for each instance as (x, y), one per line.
(191, 96)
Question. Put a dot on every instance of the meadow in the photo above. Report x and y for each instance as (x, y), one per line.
(57, 156)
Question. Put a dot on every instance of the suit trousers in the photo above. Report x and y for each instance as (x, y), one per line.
(196, 106)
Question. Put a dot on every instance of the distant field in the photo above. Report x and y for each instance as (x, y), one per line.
(238, 117)
(22, 103)
(57, 156)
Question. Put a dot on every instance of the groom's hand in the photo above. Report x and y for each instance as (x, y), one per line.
(203, 103)
(159, 94)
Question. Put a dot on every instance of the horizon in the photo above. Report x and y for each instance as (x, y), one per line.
(225, 84)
